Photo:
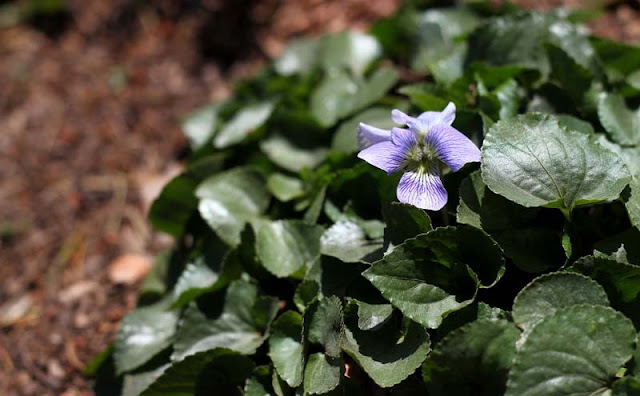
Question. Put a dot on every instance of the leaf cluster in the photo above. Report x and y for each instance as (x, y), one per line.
(295, 272)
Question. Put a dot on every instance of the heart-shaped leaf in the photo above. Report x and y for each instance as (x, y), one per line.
(551, 292)
(577, 350)
(533, 161)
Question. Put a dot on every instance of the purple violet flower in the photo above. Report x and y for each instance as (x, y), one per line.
(418, 151)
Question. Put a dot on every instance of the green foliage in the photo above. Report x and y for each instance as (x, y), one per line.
(296, 272)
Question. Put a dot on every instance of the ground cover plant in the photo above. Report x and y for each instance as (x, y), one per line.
(495, 251)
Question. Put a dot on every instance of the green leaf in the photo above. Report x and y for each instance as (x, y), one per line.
(472, 360)
(437, 50)
(632, 202)
(228, 200)
(143, 334)
(345, 139)
(291, 157)
(437, 273)
(240, 327)
(286, 247)
(519, 39)
(338, 95)
(404, 221)
(218, 371)
(321, 374)
(175, 205)
(424, 96)
(621, 281)
(551, 292)
(622, 124)
(386, 354)
(353, 50)
(260, 382)
(374, 88)
(243, 123)
(570, 75)
(578, 350)
(199, 278)
(285, 188)
(330, 99)
(619, 59)
(626, 386)
(135, 384)
(371, 316)
(574, 124)
(533, 161)
(300, 57)
(200, 125)
(286, 349)
(347, 241)
(323, 324)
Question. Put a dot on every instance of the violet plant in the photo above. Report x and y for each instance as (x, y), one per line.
(299, 269)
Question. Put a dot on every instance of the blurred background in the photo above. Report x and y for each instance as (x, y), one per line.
(91, 97)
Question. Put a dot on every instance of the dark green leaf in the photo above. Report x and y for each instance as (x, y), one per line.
(371, 316)
(622, 124)
(438, 51)
(299, 57)
(578, 350)
(144, 333)
(338, 95)
(347, 241)
(228, 200)
(621, 281)
(345, 139)
(429, 276)
(200, 125)
(245, 122)
(286, 349)
(323, 324)
(472, 360)
(533, 161)
(404, 221)
(551, 292)
(353, 50)
(284, 188)
(135, 384)
(199, 278)
(321, 374)
(238, 328)
(287, 155)
(286, 247)
(626, 386)
(386, 354)
(218, 371)
(632, 202)
(260, 382)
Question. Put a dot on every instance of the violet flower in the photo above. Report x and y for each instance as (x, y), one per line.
(419, 151)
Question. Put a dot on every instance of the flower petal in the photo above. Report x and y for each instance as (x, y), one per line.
(403, 138)
(423, 189)
(400, 118)
(445, 116)
(452, 147)
(385, 155)
(369, 135)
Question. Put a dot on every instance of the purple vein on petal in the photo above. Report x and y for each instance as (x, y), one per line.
(385, 155)
(422, 188)
(452, 147)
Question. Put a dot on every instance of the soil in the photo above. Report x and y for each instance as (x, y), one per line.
(89, 132)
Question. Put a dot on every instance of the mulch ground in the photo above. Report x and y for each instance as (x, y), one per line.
(90, 106)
